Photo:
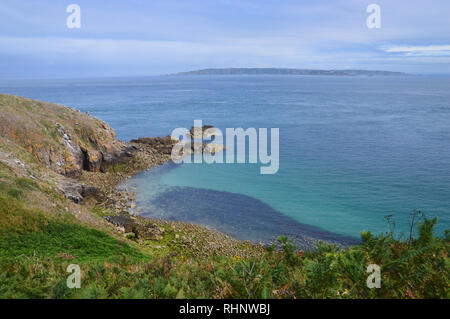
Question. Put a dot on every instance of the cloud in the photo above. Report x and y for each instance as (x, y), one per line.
(428, 50)
(116, 48)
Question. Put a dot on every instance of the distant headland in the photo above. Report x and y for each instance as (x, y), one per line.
(286, 71)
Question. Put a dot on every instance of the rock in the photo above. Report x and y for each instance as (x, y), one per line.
(141, 229)
(88, 191)
(76, 191)
(207, 131)
(213, 148)
(92, 160)
(122, 221)
(65, 141)
(18, 162)
(162, 145)
(120, 229)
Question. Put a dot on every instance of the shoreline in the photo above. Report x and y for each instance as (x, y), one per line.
(149, 231)
(122, 197)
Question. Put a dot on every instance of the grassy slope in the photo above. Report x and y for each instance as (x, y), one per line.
(41, 233)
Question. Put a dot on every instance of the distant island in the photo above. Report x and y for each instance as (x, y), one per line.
(285, 71)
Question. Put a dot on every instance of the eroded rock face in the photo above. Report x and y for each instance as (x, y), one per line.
(62, 138)
(76, 191)
(115, 153)
(101, 151)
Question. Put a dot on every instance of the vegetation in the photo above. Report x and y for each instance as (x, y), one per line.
(36, 248)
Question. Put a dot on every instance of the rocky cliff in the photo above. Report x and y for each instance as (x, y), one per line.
(63, 139)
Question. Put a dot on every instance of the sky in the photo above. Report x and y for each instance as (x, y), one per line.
(141, 37)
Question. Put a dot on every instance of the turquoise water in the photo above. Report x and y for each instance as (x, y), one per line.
(352, 149)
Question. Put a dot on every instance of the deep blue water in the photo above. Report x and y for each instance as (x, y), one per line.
(352, 149)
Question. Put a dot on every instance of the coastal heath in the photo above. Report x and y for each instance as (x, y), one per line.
(196, 146)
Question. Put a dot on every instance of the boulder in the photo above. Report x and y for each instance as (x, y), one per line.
(76, 191)
(142, 229)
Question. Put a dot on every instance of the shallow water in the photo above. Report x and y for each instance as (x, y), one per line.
(238, 215)
(352, 149)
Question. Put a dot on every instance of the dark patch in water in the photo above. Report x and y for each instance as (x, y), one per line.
(238, 215)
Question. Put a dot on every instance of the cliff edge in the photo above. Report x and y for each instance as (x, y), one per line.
(61, 138)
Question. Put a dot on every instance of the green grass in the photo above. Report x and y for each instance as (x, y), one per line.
(26, 183)
(16, 193)
(53, 238)
(31, 232)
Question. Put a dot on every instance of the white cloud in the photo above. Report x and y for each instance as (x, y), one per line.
(428, 50)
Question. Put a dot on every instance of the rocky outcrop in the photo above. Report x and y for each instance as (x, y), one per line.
(62, 138)
(101, 151)
(162, 145)
(77, 146)
(76, 191)
(139, 227)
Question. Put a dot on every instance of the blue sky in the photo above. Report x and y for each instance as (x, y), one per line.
(134, 37)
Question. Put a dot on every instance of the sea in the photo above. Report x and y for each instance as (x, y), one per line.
(355, 152)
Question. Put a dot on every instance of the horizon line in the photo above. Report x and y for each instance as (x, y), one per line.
(21, 78)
